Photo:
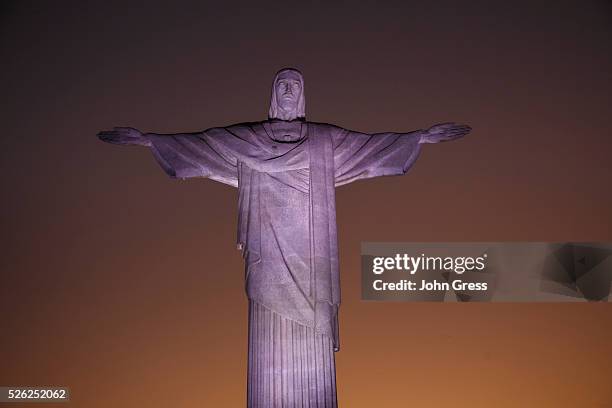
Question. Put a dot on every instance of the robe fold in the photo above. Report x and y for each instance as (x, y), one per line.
(287, 215)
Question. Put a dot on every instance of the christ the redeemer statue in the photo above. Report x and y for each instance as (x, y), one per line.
(286, 170)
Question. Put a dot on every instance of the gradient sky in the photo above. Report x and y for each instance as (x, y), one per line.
(125, 285)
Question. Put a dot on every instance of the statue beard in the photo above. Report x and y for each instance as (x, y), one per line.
(287, 112)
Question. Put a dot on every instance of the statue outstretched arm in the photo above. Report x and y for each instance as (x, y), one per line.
(183, 155)
(360, 156)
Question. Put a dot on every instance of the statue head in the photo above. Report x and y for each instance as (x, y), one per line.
(288, 102)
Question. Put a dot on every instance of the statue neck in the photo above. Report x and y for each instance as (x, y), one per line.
(287, 131)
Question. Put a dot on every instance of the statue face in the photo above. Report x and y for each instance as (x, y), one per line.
(287, 102)
(288, 90)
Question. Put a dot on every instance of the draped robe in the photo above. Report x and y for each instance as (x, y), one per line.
(286, 206)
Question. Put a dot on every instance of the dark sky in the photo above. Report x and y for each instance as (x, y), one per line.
(126, 286)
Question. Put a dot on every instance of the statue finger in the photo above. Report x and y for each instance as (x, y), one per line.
(105, 135)
(458, 131)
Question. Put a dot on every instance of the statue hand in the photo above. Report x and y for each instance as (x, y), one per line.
(124, 136)
(445, 132)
